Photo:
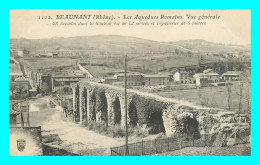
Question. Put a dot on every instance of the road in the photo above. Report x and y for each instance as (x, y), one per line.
(68, 135)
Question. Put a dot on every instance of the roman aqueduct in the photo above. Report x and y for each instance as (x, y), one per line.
(101, 102)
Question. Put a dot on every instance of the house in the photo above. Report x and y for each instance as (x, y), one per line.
(181, 77)
(207, 71)
(62, 82)
(133, 79)
(79, 73)
(234, 54)
(45, 83)
(201, 79)
(47, 55)
(109, 80)
(16, 52)
(213, 77)
(154, 80)
(206, 77)
(232, 76)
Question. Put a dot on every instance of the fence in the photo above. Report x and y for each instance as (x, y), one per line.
(152, 147)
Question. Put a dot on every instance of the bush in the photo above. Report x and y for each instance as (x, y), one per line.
(100, 126)
(116, 131)
(141, 131)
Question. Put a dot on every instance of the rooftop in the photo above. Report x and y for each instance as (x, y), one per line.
(110, 78)
(200, 74)
(165, 73)
(213, 74)
(207, 70)
(156, 75)
(232, 73)
(130, 74)
(68, 76)
(183, 72)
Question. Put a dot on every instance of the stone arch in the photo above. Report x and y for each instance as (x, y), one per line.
(101, 105)
(149, 112)
(156, 122)
(132, 112)
(117, 111)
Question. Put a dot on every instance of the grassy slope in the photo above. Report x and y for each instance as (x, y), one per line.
(211, 96)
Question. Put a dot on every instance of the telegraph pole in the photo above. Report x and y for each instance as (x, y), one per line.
(126, 126)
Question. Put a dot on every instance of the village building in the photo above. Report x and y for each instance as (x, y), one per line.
(232, 76)
(45, 84)
(208, 71)
(79, 73)
(201, 79)
(109, 80)
(181, 77)
(234, 54)
(213, 77)
(206, 77)
(154, 80)
(45, 54)
(133, 79)
(17, 52)
(62, 82)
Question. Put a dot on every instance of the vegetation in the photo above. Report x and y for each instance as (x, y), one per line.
(116, 130)
(150, 113)
(18, 91)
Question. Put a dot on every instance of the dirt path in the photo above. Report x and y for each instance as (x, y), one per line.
(74, 138)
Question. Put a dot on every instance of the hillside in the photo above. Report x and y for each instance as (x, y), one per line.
(120, 44)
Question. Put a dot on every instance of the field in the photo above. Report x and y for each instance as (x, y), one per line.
(49, 65)
(212, 96)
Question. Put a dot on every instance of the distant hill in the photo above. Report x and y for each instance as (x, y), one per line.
(199, 45)
(115, 43)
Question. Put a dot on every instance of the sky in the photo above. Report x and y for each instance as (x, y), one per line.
(232, 27)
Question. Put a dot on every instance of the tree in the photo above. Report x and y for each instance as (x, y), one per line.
(20, 90)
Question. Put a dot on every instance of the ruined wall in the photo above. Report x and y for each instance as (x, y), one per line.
(106, 103)
(196, 122)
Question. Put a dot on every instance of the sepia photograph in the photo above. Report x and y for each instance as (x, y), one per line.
(130, 83)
